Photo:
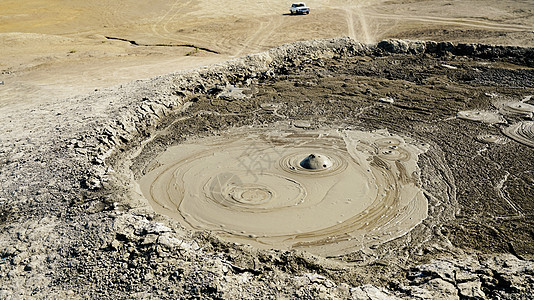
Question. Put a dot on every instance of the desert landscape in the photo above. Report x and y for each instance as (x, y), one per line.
(202, 149)
(65, 48)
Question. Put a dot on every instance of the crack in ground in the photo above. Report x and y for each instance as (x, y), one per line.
(161, 45)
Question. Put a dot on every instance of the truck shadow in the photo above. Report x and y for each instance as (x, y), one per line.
(293, 15)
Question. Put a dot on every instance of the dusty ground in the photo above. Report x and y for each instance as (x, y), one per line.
(60, 49)
(73, 222)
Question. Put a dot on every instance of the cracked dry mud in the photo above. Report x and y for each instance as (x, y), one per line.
(432, 118)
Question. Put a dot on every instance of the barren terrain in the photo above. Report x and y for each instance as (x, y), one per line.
(60, 49)
(439, 133)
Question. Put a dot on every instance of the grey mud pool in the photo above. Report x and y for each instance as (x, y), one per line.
(323, 191)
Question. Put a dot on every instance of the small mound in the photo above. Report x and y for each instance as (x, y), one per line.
(481, 116)
(316, 162)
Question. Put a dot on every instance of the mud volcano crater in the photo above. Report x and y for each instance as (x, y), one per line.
(374, 113)
(258, 185)
(379, 156)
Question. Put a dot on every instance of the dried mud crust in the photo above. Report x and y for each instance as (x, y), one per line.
(74, 223)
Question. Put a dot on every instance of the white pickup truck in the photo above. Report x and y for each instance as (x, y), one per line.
(299, 8)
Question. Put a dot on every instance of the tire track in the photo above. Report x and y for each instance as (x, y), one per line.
(350, 23)
(178, 10)
(260, 35)
(456, 21)
(113, 14)
(356, 15)
(160, 27)
(158, 22)
(255, 41)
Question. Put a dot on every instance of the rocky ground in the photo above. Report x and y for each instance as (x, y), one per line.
(73, 223)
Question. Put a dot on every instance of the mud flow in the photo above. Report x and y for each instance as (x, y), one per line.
(522, 132)
(324, 191)
(481, 116)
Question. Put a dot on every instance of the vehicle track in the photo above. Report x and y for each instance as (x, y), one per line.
(350, 23)
(255, 42)
(455, 21)
(179, 8)
(161, 24)
(112, 14)
(265, 30)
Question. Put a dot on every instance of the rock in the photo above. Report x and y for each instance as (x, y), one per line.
(4, 294)
(231, 93)
(168, 241)
(439, 268)
(93, 183)
(515, 283)
(9, 251)
(301, 281)
(463, 276)
(441, 289)
(149, 276)
(155, 228)
(402, 46)
(471, 289)
(449, 66)
(418, 292)
(36, 263)
(190, 246)
(149, 239)
(320, 279)
(508, 264)
(371, 292)
(386, 100)
(115, 245)
(19, 258)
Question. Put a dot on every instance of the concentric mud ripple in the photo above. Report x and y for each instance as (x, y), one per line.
(518, 108)
(326, 192)
(481, 116)
(515, 108)
(491, 139)
(522, 132)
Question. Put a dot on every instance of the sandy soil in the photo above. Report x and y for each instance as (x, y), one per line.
(60, 49)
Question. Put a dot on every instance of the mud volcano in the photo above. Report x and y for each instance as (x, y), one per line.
(321, 169)
(356, 162)
(261, 187)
